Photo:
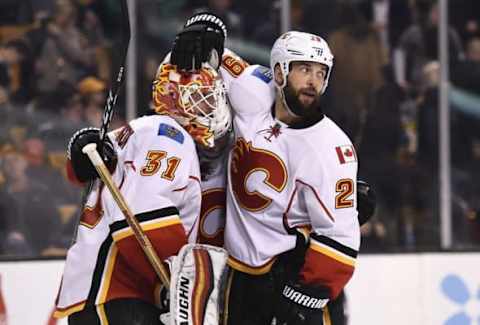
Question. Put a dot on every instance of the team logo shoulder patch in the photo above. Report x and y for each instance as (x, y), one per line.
(171, 132)
(263, 73)
(346, 154)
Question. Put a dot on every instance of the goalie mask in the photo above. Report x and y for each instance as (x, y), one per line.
(196, 100)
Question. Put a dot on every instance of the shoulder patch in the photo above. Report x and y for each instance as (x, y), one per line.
(263, 73)
(171, 132)
(346, 154)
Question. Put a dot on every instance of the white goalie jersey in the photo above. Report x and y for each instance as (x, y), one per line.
(281, 178)
(158, 174)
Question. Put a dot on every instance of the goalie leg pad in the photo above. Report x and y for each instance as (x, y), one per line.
(198, 277)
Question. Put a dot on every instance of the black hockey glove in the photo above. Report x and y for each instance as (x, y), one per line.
(81, 164)
(297, 303)
(366, 201)
(201, 40)
(301, 304)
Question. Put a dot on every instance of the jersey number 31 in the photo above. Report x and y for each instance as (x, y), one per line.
(154, 162)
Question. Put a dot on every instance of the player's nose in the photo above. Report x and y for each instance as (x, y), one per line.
(314, 83)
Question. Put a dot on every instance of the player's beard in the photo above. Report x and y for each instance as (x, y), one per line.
(292, 99)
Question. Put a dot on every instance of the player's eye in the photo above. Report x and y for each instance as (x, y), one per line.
(304, 69)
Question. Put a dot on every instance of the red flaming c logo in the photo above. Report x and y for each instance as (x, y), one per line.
(246, 160)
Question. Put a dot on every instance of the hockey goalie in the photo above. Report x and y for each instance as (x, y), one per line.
(153, 160)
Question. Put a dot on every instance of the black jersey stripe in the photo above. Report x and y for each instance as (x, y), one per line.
(146, 216)
(99, 268)
(335, 245)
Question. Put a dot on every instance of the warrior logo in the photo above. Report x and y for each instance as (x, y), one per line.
(303, 299)
(208, 18)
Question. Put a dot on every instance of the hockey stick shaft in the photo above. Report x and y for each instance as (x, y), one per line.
(144, 242)
(117, 83)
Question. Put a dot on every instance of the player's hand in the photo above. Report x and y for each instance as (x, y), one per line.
(296, 303)
(300, 304)
(201, 41)
(366, 201)
(80, 163)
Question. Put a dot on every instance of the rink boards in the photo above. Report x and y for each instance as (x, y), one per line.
(386, 289)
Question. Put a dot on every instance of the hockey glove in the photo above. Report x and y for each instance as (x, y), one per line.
(300, 304)
(81, 166)
(367, 201)
(201, 41)
(297, 303)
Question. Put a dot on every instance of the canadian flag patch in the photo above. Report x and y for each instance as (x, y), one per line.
(346, 154)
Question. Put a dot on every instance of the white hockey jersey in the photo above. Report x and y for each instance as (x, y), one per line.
(280, 178)
(158, 174)
(232, 67)
(212, 216)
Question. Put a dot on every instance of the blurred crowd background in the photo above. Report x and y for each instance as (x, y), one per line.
(58, 57)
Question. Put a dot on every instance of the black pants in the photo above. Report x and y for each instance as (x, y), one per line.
(250, 299)
(118, 312)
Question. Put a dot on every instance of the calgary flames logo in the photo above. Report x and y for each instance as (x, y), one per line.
(246, 160)
(212, 200)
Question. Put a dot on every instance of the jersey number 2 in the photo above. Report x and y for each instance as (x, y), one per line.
(344, 188)
(154, 162)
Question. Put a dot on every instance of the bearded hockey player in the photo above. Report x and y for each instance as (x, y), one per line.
(107, 279)
(203, 36)
(292, 230)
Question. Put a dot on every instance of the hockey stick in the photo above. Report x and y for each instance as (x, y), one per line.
(115, 88)
(91, 150)
(96, 159)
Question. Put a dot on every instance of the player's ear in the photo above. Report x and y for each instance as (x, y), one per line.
(278, 75)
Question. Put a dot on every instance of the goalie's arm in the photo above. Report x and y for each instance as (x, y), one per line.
(154, 170)
(91, 151)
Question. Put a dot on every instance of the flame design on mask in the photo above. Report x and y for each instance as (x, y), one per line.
(167, 99)
(200, 133)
